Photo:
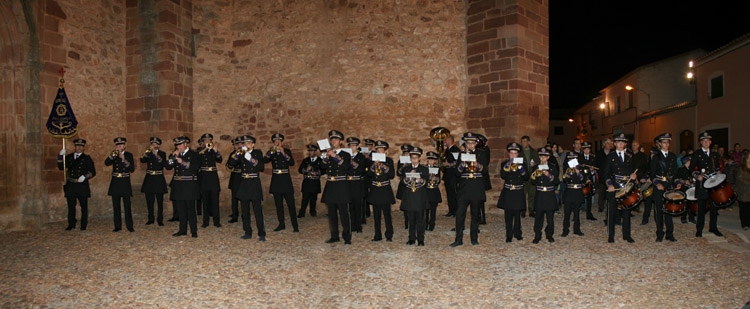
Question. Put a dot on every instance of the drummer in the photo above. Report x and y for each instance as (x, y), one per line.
(617, 172)
(685, 176)
(705, 162)
(664, 173)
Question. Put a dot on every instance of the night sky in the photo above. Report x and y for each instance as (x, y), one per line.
(594, 43)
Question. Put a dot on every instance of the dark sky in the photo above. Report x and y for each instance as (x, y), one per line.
(595, 42)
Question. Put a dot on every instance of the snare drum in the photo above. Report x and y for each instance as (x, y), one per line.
(628, 197)
(674, 202)
(588, 189)
(647, 189)
(692, 202)
(719, 190)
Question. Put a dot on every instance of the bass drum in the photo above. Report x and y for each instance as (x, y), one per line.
(692, 202)
(720, 191)
(674, 202)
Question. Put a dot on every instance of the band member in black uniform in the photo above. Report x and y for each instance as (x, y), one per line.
(311, 182)
(642, 162)
(356, 187)
(414, 199)
(449, 177)
(685, 175)
(154, 184)
(381, 192)
(199, 202)
(367, 181)
(545, 201)
(433, 190)
(587, 161)
(235, 176)
(281, 181)
(185, 188)
(513, 198)
(705, 162)
(575, 179)
(618, 168)
(664, 172)
(250, 161)
(470, 188)
(209, 180)
(80, 170)
(336, 163)
(482, 146)
(119, 187)
(405, 148)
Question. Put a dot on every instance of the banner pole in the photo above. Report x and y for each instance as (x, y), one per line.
(65, 172)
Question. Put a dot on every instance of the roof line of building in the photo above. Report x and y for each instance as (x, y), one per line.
(729, 47)
(648, 65)
(667, 109)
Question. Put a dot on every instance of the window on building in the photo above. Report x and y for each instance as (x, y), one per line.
(717, 87)
(617, 104)
(593, 124)
(630, 99)
(559, 130)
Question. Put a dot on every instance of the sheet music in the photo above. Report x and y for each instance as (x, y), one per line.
(378, 157)
(324, 144)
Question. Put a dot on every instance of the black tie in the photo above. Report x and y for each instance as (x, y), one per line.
(621, 159)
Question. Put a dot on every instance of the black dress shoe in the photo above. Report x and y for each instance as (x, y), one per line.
(629, 239)
(205, 225)
(195, 235)
(116, 230)
(591, 218)
(611, 240)
(448, 215)
(717, 233)
(217, 225)
(149, 222)
(411, 242)
(347, 242)
(233, 221)
(247, 236)
(483, 222)
(279, 228)
(314, 214)
(70, 227)
(377, 239)
(83, 228)
(671, 238)
(389, 239)
(519, 237)
(262, 238)
(300, 215)
(683, 220)
(564, 234)
(550, 239)
(474, 242)
(644, 222)
(509, 239)
(296, 230)
(179, 234)
(578, 233)
(658, 239)
(160, 223)
(456, 244)
(420, 243)
(536, 240)
(332, 240)
(453, 229)
(131, 230)
(698, 234)
(173, 220)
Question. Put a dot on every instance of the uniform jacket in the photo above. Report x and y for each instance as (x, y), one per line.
(154, 181)
(184, 182)
(249, 187)
(120, 186)
(381, 192)
(336, 169)
(311, 173)
(281, 180)
(83, 166)
(471, 186)
(415, 189)
(208, 175)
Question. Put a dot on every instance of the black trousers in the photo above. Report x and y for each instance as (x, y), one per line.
(258, 210)
(186, 212)
(308, 198)
(539, 222)
(416, 225)
(355, 213)
(648, 204)
(235, 208)
(279, 198)
(210, 206)
(703, 205)
(513, 223)
(198, 206)
(117, 215)
(661, 218)
(587, 200)
(84, 201)
(612, 217)
(336, 211)
(463, 205)
(175, 213)
(430, 215)
(744, 214)
(602, 192)
(385, 210)
(571, 207)
(159, 197)
(450, 193)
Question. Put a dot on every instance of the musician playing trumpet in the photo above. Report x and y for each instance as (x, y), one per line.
(512, 198)
(587, 160)
(381, 193)
(119, 187)
(281, 181)
(472, 169)
(575, 179)
(154, 185)
(545, 177)
(433, 190)
(208, 178)
(311, 183)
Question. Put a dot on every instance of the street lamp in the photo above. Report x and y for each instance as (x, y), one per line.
(631, 88)
(602, 106)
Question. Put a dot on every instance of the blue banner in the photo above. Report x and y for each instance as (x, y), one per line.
(62, 122)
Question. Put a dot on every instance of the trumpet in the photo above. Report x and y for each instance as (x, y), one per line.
(241, 151)
(148, 149)
(210, 145)
(513, 167)
(115, 153)
(273, 149)
(378, 168)
(472, 168)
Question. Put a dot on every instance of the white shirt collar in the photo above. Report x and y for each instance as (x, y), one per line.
(186, 150)
(707, 151)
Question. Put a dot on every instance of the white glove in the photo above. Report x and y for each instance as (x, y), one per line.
(82, 178)
(62, 152)
(244, 148)
(248, 156)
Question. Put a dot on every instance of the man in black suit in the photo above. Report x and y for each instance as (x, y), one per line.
(705, 162)
(356, 187)
(185, 187)
(250, 161)
(154, 184)
(601, 160)
(80, 170)
(336, 163)
(234, 180)
(449, 177)
(119, 187)
(414, 199)
(381, 193)
(617, 170)
(472, 169)
(281, 182)
(209, 180)
(664, 171)
(311, 182)
(587, 161)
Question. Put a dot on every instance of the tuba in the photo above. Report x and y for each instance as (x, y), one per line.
(439, 135)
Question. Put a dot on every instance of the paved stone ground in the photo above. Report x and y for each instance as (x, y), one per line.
(150, 268)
